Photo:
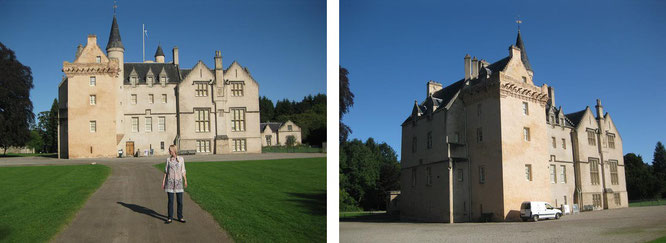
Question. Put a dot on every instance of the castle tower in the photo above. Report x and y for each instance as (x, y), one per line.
(116, 50)
(159, 55)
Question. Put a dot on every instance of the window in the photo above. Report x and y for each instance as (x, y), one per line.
(149, 124)
(456, 137)
(552, 158)
(93, 126)
(429, 141)
(93, 99)
(98, 59)
(203, 146)
(289, 128)
(563, 174)
(479, 135)
(553, 178)
(202, 120)
(460, 175)
(238, 119)
(613, 172)
(528, 172)
(162, 79)
(428, 176)
(562, 121)
(202, 89)
(524, 79)
(162, 145)
(133, 99)
(564, 143)
(151, 99)
(594, 171)
(149, 79)
(239, 145)
(133, 79)
(526, 110)
(616, 198)
(478, 110)
(526, 134)
(554, 142)
(164, 98)
(413, 177)
(161, 124)
(237, 88)
(590, 138)
(482, 174)
(552, 120)
(268, 140)
(596, 200)
(93, 81)
(414, 145)
(135, 124)
(611, 141)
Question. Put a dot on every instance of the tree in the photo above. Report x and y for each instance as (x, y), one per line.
(291, 141)
(346, 102)
(266, 109)
(641, 183)
(36, 142)
(15, 105)
(659, 167)
(51, 129)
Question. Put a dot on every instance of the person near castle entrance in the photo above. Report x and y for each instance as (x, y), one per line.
(174, 181)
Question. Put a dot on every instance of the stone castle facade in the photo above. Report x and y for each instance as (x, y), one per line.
(482, 145)
(108, 105)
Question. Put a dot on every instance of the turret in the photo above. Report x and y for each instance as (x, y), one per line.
(159, 55)
(523, 54)
(115, 48)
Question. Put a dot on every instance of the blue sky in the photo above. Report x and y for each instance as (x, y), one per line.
(613, 50)
(283, 43)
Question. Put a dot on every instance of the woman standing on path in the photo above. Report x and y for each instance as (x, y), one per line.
(174, 181)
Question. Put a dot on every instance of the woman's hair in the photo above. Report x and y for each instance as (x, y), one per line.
(173, 148)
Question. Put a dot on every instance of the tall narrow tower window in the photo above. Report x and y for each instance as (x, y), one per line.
(93, 81)
(98, 59)
(93, 99)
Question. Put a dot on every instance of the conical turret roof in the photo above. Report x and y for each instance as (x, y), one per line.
(159, 51)
(523, 53)
(114, 36)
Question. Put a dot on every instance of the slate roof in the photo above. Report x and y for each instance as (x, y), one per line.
(114, 36)
(273, 125)
(523, 52)
(159, 51)
(141, 70)
(576, 117)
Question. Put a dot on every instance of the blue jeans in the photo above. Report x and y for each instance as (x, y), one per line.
(179, 198)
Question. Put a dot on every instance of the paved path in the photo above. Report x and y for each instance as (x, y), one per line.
(617, 225)
(131, 205)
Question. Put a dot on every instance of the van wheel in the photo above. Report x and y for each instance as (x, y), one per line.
(557, 216)
(535, 218)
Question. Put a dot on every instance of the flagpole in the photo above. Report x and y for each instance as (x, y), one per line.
(143, 41)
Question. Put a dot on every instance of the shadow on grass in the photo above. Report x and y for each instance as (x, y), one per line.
(374, 218)
(4, 232)
(315, 202)
(143, 210)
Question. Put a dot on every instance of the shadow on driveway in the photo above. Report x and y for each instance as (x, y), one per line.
(143, 210)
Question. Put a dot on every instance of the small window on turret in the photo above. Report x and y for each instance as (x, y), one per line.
(93, 81)
(98, 59)
(524, 79)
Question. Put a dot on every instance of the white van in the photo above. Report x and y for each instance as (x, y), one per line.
(538, 210)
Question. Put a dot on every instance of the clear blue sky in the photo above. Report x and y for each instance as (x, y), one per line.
(613, 50)
(283, 43)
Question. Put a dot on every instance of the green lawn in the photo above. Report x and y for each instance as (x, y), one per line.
(657, 202)
(50, 155)
(659, 240)
(295, 149)
(38, 201)
(268, 200)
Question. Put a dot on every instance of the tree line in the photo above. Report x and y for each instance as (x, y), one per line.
(368, 170)
(309, 114)
(645, 181)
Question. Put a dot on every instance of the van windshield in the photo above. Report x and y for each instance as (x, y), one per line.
(525, 205)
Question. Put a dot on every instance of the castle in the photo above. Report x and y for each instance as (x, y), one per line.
(110, 107)
(479, 147)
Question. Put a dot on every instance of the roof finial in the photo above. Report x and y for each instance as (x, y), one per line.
(115, 6)
(518, 21)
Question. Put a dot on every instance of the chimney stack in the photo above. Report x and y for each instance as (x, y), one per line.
(468, 65)
(475, 68)
(175, 55)
(218, 60)
(92, 39)
(551, 95)
(600, 109)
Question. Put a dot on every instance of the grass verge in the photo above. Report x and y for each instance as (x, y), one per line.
(658, 202)
(294, 149)
(48, 155)
(267, 200)
(38, 201)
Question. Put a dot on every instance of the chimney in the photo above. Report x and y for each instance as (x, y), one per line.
(175, 55)
(600, 109)
(218, 60)
(475, 68)
(432, 87)
(92, 39)
(79, 49)
(551, 95)
(467, 67)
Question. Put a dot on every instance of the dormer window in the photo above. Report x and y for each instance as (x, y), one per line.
(149, 80)
(133, 80)
(98, 59)
(163, 80)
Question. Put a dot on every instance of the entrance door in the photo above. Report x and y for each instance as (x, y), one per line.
(129, 148)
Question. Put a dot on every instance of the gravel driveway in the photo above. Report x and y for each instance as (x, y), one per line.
(638, 224)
